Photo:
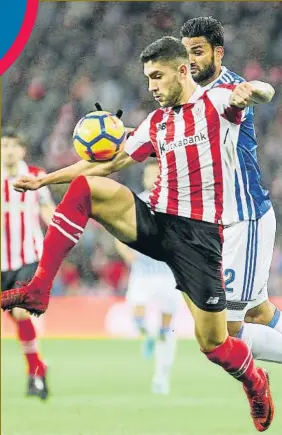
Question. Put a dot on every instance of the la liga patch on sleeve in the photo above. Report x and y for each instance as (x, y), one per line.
(17, 18)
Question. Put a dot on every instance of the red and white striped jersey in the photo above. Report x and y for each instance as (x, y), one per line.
(195, 146)
(22, 237)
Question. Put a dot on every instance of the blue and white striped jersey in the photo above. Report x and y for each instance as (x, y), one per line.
(252, 199)
(143, 265)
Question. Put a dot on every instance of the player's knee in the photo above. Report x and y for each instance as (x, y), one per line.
(234, 328)
(209, 342)
(102, 189)
(262, 314)
(20, 314)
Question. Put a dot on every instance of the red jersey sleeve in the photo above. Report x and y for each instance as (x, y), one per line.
(138, 145)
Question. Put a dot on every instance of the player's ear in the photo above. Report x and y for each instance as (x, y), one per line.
(219, 52)
(183, 70)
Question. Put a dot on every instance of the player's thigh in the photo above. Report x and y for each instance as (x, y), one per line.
(247, 255)
(258, 311)
(113, 205)
(210, 327)
(194, 255)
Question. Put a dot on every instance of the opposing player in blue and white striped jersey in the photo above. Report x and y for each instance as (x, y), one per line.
(248, 244)
(152, 282)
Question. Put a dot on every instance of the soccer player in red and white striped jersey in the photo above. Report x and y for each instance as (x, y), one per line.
(195, 146)
(21, 245)
(195, 141)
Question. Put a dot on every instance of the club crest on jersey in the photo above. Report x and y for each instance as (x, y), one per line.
(183, 142)
(199, 112)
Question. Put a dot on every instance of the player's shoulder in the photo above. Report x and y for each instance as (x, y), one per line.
(35, 170)
(219, 91)
(230, 77)
(146, 123)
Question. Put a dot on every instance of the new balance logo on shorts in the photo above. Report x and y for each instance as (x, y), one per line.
(213, 300)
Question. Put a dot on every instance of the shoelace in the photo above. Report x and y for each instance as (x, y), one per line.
(258, 407)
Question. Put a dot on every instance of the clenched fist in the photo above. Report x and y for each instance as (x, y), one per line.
(242, 95)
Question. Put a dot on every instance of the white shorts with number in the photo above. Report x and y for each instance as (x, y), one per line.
(247, 255)
(157, 289)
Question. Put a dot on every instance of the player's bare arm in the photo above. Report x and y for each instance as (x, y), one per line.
(66, 175)
(249, 93)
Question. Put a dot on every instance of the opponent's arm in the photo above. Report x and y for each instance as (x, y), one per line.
(66, 175)
(249, 93)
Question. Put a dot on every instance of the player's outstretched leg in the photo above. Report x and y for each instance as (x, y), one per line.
(265, 314)
(234, 356)
(108, 202)
(264, 342)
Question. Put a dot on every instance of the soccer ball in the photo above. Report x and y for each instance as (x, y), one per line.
(98, 136)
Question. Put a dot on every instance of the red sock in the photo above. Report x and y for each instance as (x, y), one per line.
(236, 358)
(27, 337)
(65, 229)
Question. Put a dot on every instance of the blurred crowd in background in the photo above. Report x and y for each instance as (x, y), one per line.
(84, 52)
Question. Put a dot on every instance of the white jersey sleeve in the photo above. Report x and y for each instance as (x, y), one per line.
(220, 97)
(138, 145)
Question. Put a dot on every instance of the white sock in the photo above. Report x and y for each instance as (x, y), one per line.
(164, 356)
(264, 342)
(276, 322)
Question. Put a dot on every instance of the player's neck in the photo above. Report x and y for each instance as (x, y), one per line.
(188, 91)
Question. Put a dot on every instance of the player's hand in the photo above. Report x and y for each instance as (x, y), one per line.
(118, 113)
(242, 95)
(26, 182)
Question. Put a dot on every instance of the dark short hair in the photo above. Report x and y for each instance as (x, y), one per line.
(208, 27)
(13, 133)
(167, 48)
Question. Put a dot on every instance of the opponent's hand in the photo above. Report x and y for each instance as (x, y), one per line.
(27, 182)
(118, 114)
(242, 95)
